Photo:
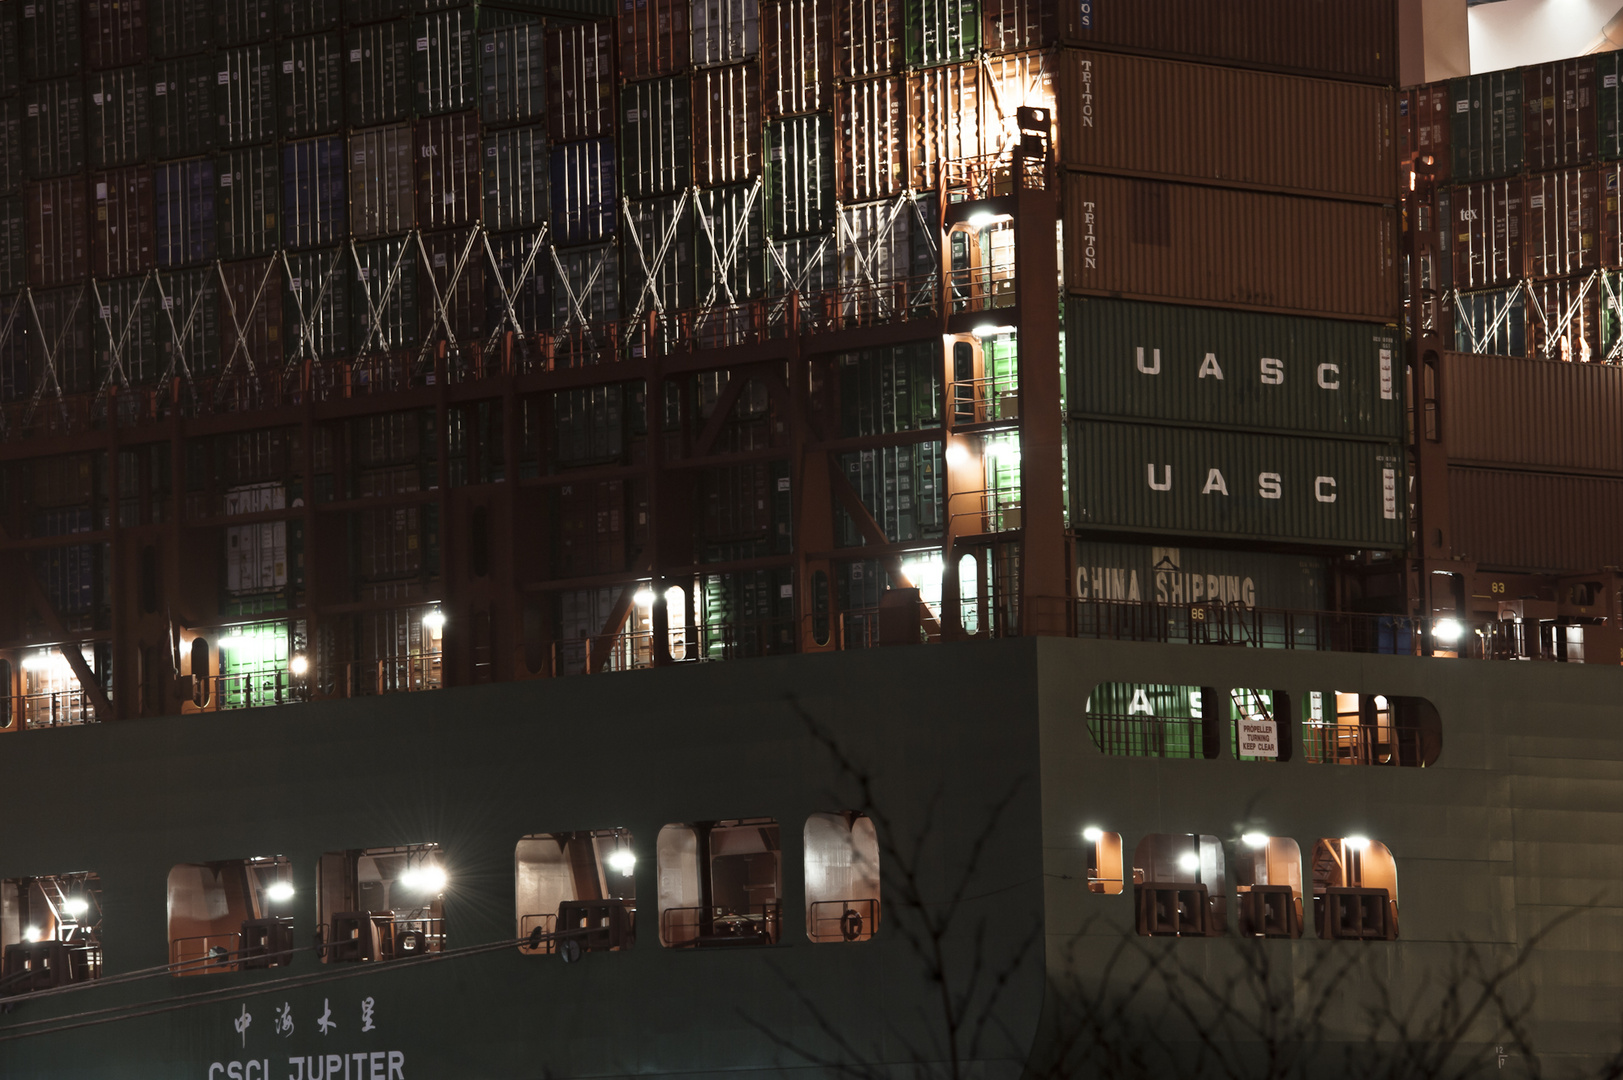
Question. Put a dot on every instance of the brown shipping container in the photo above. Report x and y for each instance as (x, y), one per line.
(465, 300)
(1147, 240)
(726, 124)
(450, 175)
(580, 81)
(1559, 101)
(121, 242)
(1535, 522)
(1541, 414)
(654, 38)
(114, 33)
(871, 147)
(867, 37)
(1425, 126)
(1561, 222)
(252, 298)
(1013, 25)
(797, 52)
(58, 241)
(945, 116)
(1346, 39)
(1487, 233)
(1149, 117)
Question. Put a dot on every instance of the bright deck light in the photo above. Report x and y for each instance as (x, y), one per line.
(1256, 841)
(434, 621)
(76, 906)
(1447, 631)
(299, 665)
(623, 860)
(279, 890)
(1093, 834)
(429, 879)
(1356, 843)
(1189, 862)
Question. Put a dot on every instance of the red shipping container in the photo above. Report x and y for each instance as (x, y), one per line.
(114, 33)
(464, 299)
(58, 237)
(252, 298)
(1559, 102)
(450, 177)
(797, 51)
(580, 81)
(867, 37)
(1013, 25)
(1425, 125)
(726, 124)
(121, 234)
(1487, 236)
(1537, 522)
(1561, 222)
(872, 147)
(654, 38)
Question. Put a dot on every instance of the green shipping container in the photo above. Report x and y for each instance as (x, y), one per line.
(942, 31)
(13, 244)
(310, 96)
(316, 304)
(1487, 136)
(180, 27)
(245, 207)
(1609, 104)
(118, 117)
(184, 123)
(1194, 482)
(656, 137)
(377, 79)
(1222, 368)
(512, 71)
(899, 388)
(49, 39)
(1142, 573)
(903, 487)
(384, 302)
(800, 173)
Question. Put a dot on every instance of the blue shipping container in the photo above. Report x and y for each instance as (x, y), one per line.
(183, 211)
(583, 191)
(1492, 322)
(314, 205)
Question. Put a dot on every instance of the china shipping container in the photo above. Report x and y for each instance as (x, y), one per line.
(450, 187)
(1142, 239)
(891, 389)
(385, 299)
(252, 298)
(1608, 98)
(13, 246)
(295, 17)
(873, 138)
(11, 144)
(183, 218)
(1276, 488)
(50, 38)
(454, 262)
(516, 295)
(730, 241)
(58, 234)
(1187, 575)
(315, 206)
(656, 143)
(1425, 128)
(903, 488)
(246, 208)
(1560, 125)
(1488, 116)
(1017, 25)
(125, 322)
(585, 286)
(382, 181)
(54, 127)
(446, 47)
(244, 22)
(1220, 368)
(245, 94)
(946, 121)
(797, 55)
(117, 117)
(654, 38)
(1491, 321)
(1534, 414)
(1561, 218)
(122, 241)
(517, 167)
(725, 31)
(311, 92)
(378, 85)
(189, 320)
(800, 175)
(180, 27)
(1165, 118)
(867, 37)
(580, 80)
(316, 304)
(941, 31)
(513, 74)
(726, 124)
(1357, 41)
(583, 191)
(1535, 522)
(182, 107)
(114, 33)
(1487, 233)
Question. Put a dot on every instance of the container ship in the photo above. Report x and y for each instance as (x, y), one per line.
(985, 442)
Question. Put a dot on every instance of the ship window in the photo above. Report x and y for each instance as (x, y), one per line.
(1104, 860)
(576, 887)
(1152, 720)
(50, 931)
(200, 672)
(230, 915)
(842, 877)
(1260, 725)
(1341, 728)
(1355, 890)
(384, 903)
(720, 883)
(1268, 877)
(1178, 886)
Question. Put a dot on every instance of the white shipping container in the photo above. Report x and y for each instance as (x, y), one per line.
(255, 555)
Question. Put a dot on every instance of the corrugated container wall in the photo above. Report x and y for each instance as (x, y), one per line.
(64, 320)
(867, 37)
(883, 391)
(11, 66)
(1140, 478)
(115, 33)
(1142, 239)
(797, 54)
(11, 144)
(13, 245)
(520, 279)
(1492, 322)
(183, 219)
(1355, 40)
(1535, 522)
(245, 95)
(517, 169)
(121, 234)
(244, 22)
(182, 104)
(450, 188)
(117, 118)
(127, 322)
(54, 127)
(731, 243)
(1426, 126)
(873, 138)
(656, 144)
(315, 206)
(50, 38)
(1014, 25)
(585, 286)
(378, 84)
(252, 297)
(308, 16)
(800, 176)
(903, 487)
(1488, 116)
(941, 31)
(365, 11)
(447, 68)
(726, 124)
(1232, 369)
(1561, 216)
(580, 81)
(1560, 125)
(384, 304)
(315, 304)
(945, 107)
(189, 319)
(1163, 118)
(311, 94)
(513, 74)
(654, 38)
(583, 191)
(1531, 413)
(659, 256)
(58, 240)
(246, 215)
(180, 27)
(1487, 235)
(725, 31)
(1609, 98)
(463, 299)
(1185, 575)
(382, 190)
(884, 242)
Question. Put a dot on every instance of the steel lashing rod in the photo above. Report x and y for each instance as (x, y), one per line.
(441, 303)
(239, 327)
(649, 289)
(5, 334)
(510, 316)
(1504, 313)
(116, 340)
(181, 336)
(1614, 302)
(307, 334)
(1565, 316)
(51, 351)
(374, 322)
(797, 282)
(577, 313)
(723, 262)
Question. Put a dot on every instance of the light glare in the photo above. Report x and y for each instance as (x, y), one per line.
(1189, 862)
(76, 906)
(1357, 843)
(1447, 631)
(1093, 834)
(644, 597)
(279, 891)
(429, 879)
(1256, 841)
(624, 861)
(299, 665)
(434, 621)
